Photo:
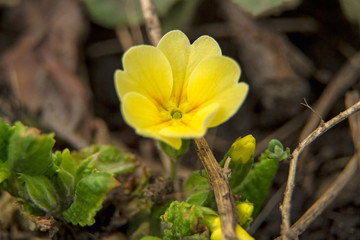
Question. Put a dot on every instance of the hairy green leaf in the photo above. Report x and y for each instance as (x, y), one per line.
(89, 195)
(5, 133)
(40, 191)
(4, 171)
(183, 220)
(30, 152)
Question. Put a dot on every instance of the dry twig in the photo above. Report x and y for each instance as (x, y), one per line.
(285, 208)
(219, 181)
(152, 22)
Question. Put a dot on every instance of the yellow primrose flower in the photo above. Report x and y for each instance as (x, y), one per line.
(177, 90)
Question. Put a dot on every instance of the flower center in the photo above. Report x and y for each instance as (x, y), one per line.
(176, 114)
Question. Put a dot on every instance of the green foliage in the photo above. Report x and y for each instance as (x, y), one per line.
(115, 13)
(5, 133)
(197, 187)
(72, 185)
(40, 191)
(351, 9)
(184, 221)
(4, 171)
(150, 238)
(256, 186)
(262, 7)
(89, 195)
(29, 152)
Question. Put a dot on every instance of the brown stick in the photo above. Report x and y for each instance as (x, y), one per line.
(285, 208)
(153, 26)
(326, 199)
(219, 181)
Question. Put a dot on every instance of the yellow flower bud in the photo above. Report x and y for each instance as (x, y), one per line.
(216, 235)
(245, 210)
(242, 234)
(243, 148)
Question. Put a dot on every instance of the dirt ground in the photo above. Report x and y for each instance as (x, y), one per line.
(57, 69)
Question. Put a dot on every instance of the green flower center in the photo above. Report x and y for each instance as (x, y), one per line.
(176, 114)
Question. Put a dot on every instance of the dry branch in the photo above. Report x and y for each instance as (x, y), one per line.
(152, 22)
(219, 181)
(285, 208)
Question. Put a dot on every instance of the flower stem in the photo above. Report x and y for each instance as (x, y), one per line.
(173, 169)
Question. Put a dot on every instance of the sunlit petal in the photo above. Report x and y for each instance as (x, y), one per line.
(146, 71)
(230, 101)
(212, 76)
(176, 47)
(139, 111)
(204, 46)
(184, 58)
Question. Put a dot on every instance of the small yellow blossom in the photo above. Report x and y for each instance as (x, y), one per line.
(243, 148)
(245, 210)
(177, 90)
(217, 234)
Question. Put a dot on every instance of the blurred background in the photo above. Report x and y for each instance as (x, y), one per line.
(57, 60)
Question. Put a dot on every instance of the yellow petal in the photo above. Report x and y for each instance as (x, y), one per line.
(230, 101)
(153, 132)
(191, 125)
(212, 76)
(140, 113)
(184, 58)
(146, 71)
(204, 46)
(215, 80)
(242, 234)
(176, 47)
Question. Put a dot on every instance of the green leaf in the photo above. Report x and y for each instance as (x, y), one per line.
(89, 195)
(4, 171)
(30, 152)
(351, 9)
(198, 189)
(114, 13)
(202, 198)
(197, 181)
(104, 158)
(40, 191)
(66, 161)
(180, 15)
(265, 7)
(150, 238)
(114, 161)
(256, 186)
(5, 133)
(184, 220)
